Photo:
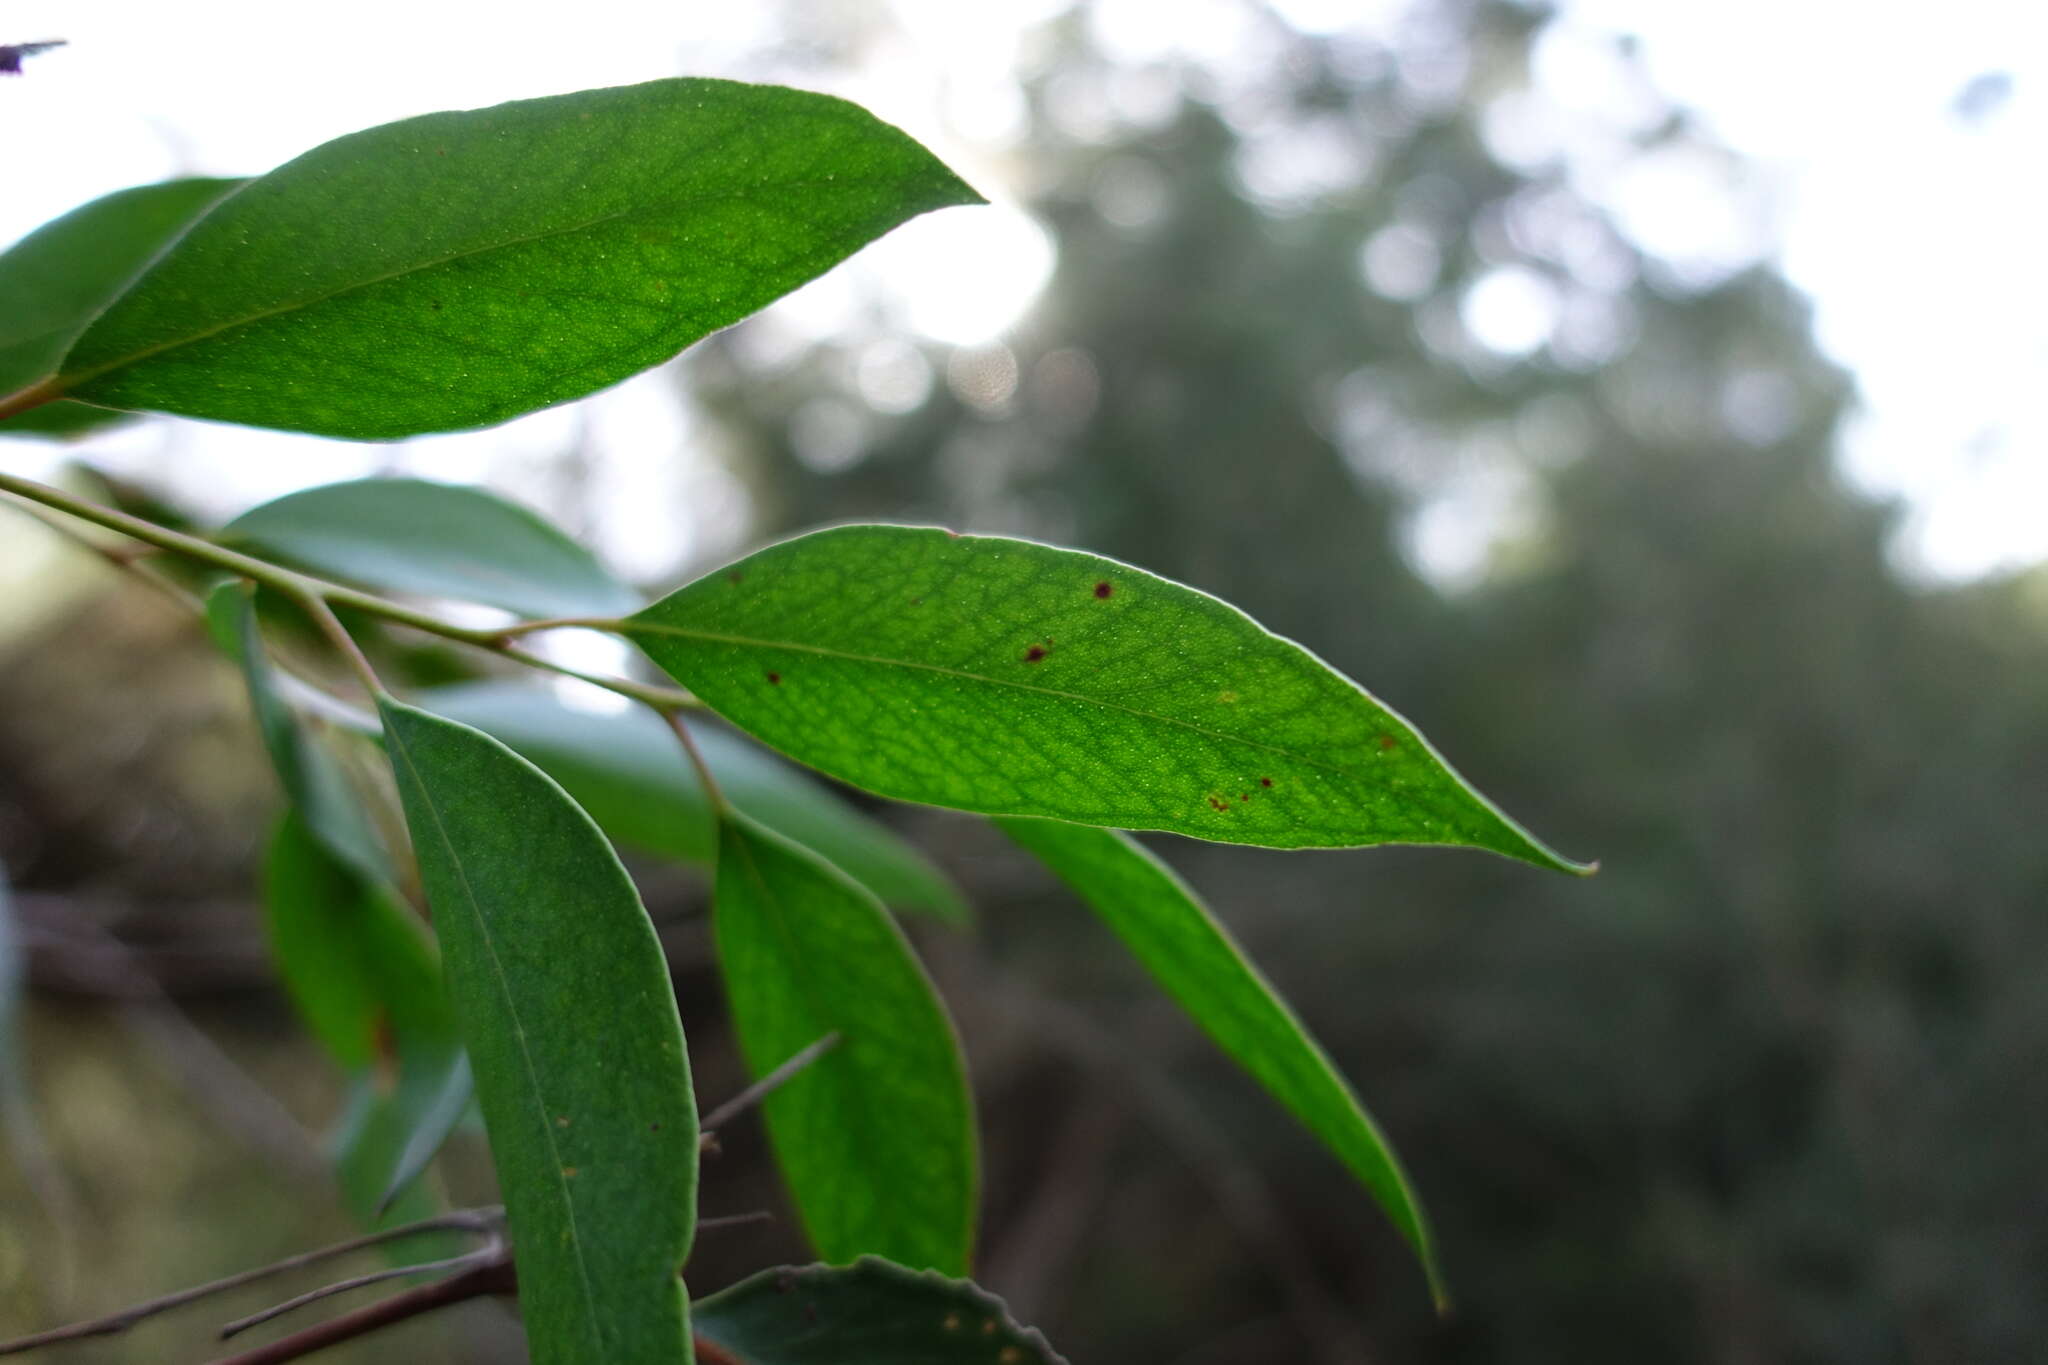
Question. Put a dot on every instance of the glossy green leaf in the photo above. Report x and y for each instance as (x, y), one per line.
(463, 268)
(313, 781)
(869, 1313)
(876, 1138)
(627, 770)
(54, 281)
(1168, 928)
(1012, 678)
(358, 967)
(435, 540)
(581, 1072)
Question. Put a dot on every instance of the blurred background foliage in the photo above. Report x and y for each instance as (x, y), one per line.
(1772, 1087)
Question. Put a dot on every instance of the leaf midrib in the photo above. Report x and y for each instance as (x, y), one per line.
(632, 626)
(400, 747)
(73, 380)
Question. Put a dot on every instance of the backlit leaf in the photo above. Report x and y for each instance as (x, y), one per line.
(462, 268)
(1192, 957)
(433, 540)
(565, 1001)
(876, 1138)
(869, 1313)
(629, 772)
(1012, 678)
(57, 279)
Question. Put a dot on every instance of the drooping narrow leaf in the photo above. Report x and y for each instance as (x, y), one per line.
(868, 1313)
(1193, 958)
(876, 1138)
(312, 780)
(462, 268)
(1012, 678)
(436, 540)
(58, 278)
(363, 977)
(628, 771)
(564, 999)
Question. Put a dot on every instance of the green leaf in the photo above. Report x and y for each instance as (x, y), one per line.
(463, 268)
(876, 1138)
(61, 421)
(353, 958)
(1012, 678)
(312, 780)
(358, 967)
(54, 281)
(869, 1313)
(436, 540)
(573, 1034)
(628, 771)
(1168, 928)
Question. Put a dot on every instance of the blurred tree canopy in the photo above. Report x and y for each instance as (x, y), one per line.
(1768, 1088)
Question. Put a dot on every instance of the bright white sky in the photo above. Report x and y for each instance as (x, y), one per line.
(1916, 233)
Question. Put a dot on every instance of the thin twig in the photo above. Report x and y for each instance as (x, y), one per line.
(712, 791)
(663, 699)
(767, 1085)
(489, 1220)
(734, 1220)
(328, 1291)
(493, 1277)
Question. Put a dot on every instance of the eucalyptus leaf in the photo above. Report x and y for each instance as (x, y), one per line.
(358, 967)
(875, 1138)
(313, 781)
(435, 540)
(59, 277)
(629, 772)
(868, 1313)
(1193, 958)
(462, 268)
(564, 998)
(1012, 678)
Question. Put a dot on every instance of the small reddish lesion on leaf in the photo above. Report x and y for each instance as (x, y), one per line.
(1265, 782)
(1034, 654)
(1386, 742)
(1217, 803)
(1104, 589)
(774, 679)
(735, 578)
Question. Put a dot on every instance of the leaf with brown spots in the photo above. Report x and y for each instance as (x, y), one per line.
(1156, 701)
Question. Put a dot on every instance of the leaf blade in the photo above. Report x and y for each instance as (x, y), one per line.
(433, 540)
(533, 252)
(869, 1313)
(1011, 678)
(59, 277)
(876, 1138)
(589, 1111)
(1194, 959)
(629, 773)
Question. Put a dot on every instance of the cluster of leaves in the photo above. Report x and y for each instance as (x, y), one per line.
(464, 268)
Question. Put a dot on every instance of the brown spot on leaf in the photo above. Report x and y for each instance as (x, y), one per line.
(1244, 797)
(569, 1173)
(1034, 654)
(775, 680)
(1265, 782)
(1103, 589)
(1217, 803)
(735, 577)
(1386, 742)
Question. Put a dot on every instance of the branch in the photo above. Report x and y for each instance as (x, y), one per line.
(492, 1277)
(307, 588)
(766, 1086)
(467, 1220)
(466, 1261)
